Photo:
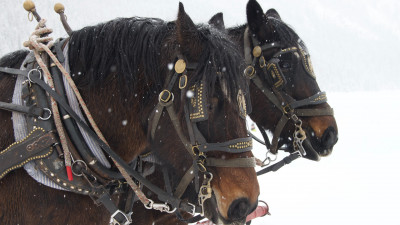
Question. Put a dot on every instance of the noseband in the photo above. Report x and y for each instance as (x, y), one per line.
(291, 108)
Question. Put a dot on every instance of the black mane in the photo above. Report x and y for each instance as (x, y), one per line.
(127, 47)
(286, 34)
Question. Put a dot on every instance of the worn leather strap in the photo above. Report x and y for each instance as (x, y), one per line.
(184, 183)
(36, 145)
(116, 214)
(314, 112)
(237, 162)
(275, 167)
(238, 145)
(30, 111)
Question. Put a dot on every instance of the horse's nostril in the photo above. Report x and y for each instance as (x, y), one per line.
(329, 138)
(239, 209)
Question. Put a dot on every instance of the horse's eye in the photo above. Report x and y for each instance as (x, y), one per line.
(286, 65)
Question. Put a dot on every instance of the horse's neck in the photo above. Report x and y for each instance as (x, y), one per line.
(119, 118)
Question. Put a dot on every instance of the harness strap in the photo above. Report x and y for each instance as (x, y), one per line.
(117, 216)
(36, 145)
(184, 183)
(275, 167)
(314, 112)
(278, 129)
(238, 162)
(30, 111)
(316, 99)
(238, 145)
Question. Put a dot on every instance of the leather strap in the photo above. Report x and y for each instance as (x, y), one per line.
(36, 145)
(184, 183)
(275, 167)
(30, 111)
(117, 216)
(238, 162)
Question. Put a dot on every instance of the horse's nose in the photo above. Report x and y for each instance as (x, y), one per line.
(239, 209)
(329, 138)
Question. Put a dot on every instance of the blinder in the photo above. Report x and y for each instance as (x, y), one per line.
(306, 61)
(275, 74)
(198, 102)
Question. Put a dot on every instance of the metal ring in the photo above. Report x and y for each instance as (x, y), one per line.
(48, 117)
(30, 72)
(149, 205)
(30, 18)
(272, 159)
(72, 167)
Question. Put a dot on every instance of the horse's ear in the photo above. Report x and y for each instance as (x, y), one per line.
(273, 13)
(217, 21)
(188, 36)
(258, 21)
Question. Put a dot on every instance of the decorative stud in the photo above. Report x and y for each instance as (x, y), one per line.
(29, 5)
(257, 51)
(180, 66)
(59, 8)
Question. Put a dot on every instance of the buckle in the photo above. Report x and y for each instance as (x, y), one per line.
(48, 114)
(262, 62)
(249, 71)
(286, 109)
(114, 221)
(193, 211)
(182, 81)
(31, 72)
(165, 96)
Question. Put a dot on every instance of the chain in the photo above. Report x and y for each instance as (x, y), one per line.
(299, 136)
(205, 190)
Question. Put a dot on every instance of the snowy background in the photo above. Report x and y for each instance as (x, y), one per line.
(354, 47)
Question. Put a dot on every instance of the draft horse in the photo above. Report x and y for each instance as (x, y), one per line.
(285, 95)
(283, 91)
(190, 117)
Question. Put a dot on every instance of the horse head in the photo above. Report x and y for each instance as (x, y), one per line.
(210, 115)
(281, 67)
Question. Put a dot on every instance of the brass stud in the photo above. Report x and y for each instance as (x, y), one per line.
(180, 66)
(257, 51)
(29, 5)
(59, 8)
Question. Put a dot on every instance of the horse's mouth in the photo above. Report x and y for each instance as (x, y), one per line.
(314, 149)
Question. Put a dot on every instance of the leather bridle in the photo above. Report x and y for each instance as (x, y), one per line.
(272, 86)
(197, 145)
